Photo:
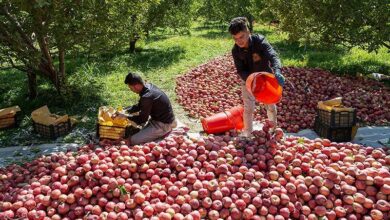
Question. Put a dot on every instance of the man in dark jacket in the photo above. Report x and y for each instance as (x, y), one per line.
(154, 109)
(252, 53)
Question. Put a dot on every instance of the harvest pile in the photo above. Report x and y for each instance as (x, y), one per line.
(213, 177)
(214, 87)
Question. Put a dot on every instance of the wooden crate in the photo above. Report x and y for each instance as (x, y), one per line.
(8, 121)
(9, 117)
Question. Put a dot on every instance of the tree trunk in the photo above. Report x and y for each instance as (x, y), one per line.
(132, 45)
(133, 36)
(32, 84)
(47, 70)
(250, 20)
(46, 63)
(61, 66)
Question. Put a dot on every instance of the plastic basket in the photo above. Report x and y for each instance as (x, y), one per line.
(336, 134)
(114, 132)
(336, 119)
(53, 131)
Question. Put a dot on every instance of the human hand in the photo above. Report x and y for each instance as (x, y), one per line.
(132, 123)
(279, 77)
(120, 115)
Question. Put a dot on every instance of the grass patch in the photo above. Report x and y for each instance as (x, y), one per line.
(96, 81)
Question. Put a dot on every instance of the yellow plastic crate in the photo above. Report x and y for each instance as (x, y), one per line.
(111, 132)
(114, 132)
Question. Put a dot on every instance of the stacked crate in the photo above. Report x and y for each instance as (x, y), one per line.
(9, 117)
(335, 122)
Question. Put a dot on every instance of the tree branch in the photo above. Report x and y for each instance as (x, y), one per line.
(16, 67)
(7, 40)
(16, 24)
(46, 62)
(386, 45)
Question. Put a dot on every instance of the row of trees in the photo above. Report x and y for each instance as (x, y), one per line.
(36, 35)
(351, 23)
(363, 23)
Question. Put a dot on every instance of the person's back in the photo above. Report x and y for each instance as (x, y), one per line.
(161, 106)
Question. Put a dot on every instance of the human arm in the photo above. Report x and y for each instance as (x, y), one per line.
(145, 108)
(131, 109)
(270, 53)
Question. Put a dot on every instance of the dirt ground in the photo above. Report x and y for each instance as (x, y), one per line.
(193, 123)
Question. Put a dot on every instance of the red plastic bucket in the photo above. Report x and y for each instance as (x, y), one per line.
(264, 87)
(235, 115)
(224, 121)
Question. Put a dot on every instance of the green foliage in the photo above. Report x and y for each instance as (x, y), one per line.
(126, 20)
(211, 10)
(134, 20)
(171, 14)
(84, 84)
(36, 36)
(16, 45)
(351, 23)
(218, 10)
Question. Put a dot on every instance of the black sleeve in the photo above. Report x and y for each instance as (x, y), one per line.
(271, 55)
(132, 109)
(239, 64)
(145, 105)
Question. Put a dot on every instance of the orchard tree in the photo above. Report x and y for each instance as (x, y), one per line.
(126, 21)
(133, 20)
(211, 10)
(171, 14)
(351, 23)
(37, 34)
(221, 11)
(251, 9)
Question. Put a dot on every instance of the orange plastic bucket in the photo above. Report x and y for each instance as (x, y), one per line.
(224, 121)
(235, 115)
(264, 87)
